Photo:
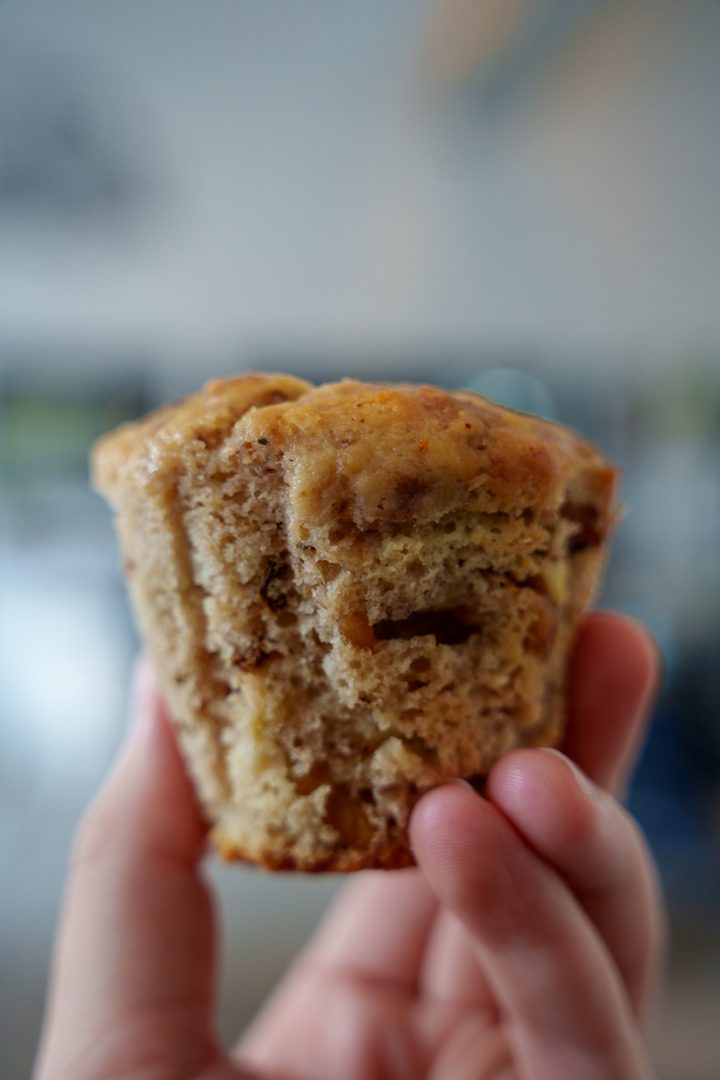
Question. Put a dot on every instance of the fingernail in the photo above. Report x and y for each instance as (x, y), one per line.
(582, 781)
(458, 781)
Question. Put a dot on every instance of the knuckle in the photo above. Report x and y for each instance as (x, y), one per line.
(575, 805)
(488, 886)
(636, 848)
(92, 836)
(629, 862)
(584, 829)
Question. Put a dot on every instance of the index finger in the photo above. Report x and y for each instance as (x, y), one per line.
(562, 1003)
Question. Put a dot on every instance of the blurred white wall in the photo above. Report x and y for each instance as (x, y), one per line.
(304, 177)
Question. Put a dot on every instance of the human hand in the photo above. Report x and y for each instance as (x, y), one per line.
(523, 947)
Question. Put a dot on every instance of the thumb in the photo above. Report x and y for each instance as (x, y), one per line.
(133, 971)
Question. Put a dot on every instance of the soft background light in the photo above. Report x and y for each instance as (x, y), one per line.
(516, 197)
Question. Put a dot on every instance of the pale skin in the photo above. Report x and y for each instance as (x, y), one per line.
(525, 945)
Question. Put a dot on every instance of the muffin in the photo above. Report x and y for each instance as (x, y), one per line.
(352, 593)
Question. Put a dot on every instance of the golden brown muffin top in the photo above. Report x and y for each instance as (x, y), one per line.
(374, 454)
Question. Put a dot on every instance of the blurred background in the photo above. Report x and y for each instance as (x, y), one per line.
(516, 196)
